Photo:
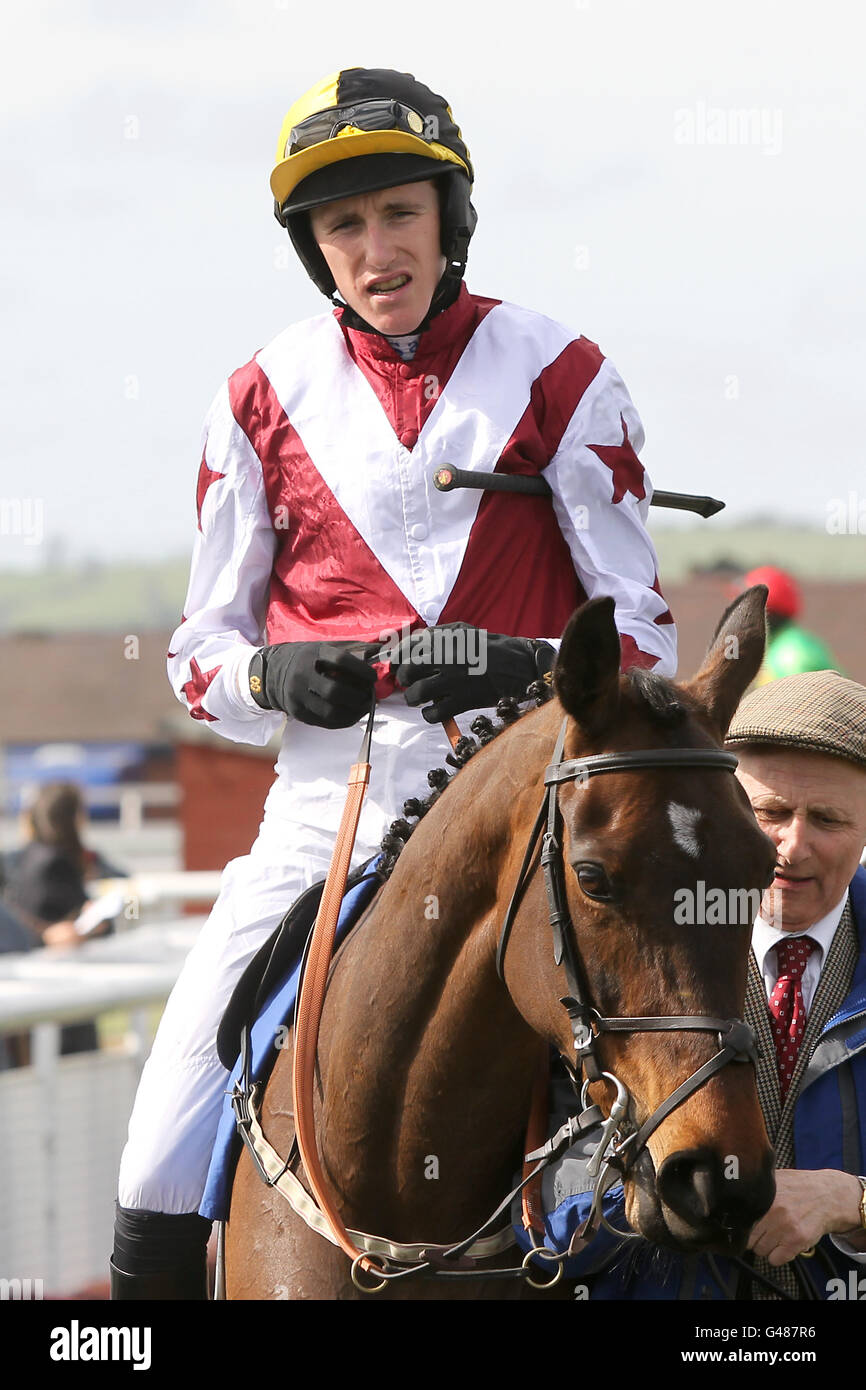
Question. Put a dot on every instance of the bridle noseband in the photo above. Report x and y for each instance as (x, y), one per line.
(614, 1155)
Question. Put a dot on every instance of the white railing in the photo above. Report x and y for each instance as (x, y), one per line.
(155, 892)
(132, 799)
(65, 1118)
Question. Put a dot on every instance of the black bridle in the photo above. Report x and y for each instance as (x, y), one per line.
(614, 1155)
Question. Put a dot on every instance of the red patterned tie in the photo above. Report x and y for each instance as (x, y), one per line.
(787, 1007)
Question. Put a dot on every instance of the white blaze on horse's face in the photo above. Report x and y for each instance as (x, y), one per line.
(684, 823)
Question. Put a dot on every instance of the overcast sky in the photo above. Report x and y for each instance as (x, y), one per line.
(682, 182)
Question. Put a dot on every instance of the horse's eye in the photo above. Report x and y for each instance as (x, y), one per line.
(594, 882)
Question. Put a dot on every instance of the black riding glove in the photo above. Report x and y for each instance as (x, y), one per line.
(324, 683)
(460, 667)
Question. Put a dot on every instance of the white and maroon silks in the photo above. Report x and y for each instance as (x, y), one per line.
(319, 520)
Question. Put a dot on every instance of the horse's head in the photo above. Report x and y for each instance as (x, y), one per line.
(663, 869)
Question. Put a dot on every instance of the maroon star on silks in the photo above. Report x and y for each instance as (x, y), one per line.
(625, 465)
(631, 654)
(663, 618)
(206, 476)
(195, 688)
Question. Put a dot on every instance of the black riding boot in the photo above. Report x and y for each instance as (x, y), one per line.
(158, 1256)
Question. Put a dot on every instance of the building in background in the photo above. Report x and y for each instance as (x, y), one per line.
(96, 709)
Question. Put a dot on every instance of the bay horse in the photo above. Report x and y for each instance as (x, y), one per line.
(427, 1057)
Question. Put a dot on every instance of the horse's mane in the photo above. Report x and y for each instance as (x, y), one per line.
(658, 694)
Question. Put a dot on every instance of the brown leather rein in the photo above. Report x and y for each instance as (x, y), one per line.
(613, 1155)
(312, 998)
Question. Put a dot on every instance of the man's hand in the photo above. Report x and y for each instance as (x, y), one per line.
(809, 1204)
(459, 667)
(61, 934)
(323, 683)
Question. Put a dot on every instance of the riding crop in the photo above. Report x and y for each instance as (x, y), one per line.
(447, 478)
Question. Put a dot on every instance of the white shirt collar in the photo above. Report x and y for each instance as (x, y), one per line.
(764, 936)
(404, 343)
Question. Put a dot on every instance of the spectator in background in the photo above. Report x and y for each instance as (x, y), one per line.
(45, 879)
(47, 876)
(791, 649)
(45, 883)
(14, 936)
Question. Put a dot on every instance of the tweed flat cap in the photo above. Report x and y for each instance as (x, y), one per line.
(818, 711)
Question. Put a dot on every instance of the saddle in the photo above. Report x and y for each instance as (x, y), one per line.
(264, 998)
(273, 962)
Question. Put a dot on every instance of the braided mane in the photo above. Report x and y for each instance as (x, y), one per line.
(657, 693)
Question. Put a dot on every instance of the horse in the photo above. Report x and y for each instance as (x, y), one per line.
(427, 1053)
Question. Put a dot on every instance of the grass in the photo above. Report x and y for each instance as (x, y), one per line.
(144, 598)
(94, 598)
(809, 554)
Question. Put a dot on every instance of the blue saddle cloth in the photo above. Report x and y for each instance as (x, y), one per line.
(277, 1010)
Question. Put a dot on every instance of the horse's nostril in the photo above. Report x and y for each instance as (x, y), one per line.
(694, 1185)
(689, 1185)
(703, 1189)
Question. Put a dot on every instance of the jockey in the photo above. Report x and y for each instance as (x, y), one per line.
(791, 649)
(326, 563)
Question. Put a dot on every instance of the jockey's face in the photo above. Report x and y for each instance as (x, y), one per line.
(374, 238)
(813, 807)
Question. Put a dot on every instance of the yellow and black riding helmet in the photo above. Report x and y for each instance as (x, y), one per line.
(362, 129)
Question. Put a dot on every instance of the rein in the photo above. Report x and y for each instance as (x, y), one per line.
(311, 998)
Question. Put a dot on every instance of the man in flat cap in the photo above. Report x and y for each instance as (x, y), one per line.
(801, 742)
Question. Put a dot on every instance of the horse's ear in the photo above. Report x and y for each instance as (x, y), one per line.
(586, 674)
(734, 657)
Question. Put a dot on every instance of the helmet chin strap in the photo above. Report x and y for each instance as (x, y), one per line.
(444, 295)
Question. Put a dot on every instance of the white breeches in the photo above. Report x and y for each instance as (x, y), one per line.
(180, 1095)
